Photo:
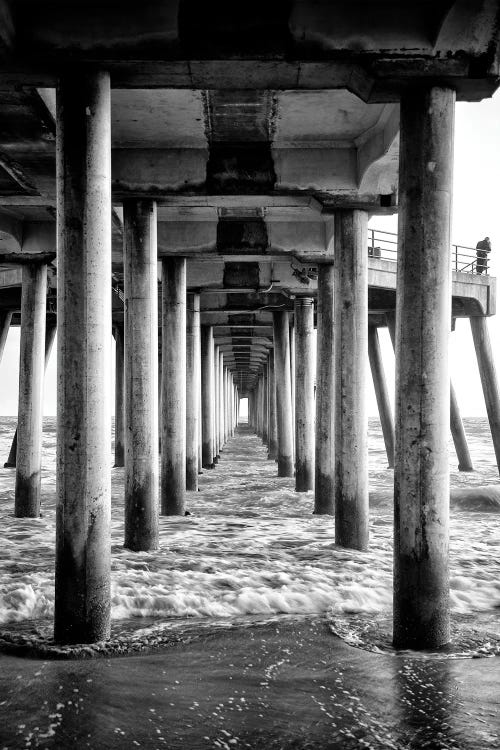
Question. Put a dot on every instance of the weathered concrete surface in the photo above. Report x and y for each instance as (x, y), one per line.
(304, 394)
(272, 453)
(173, 411)
(324, 484)
(5, 320)
(207, 396)
(458, 434)
(119, 335)
(381, 393)
(282, 375)
(193, 388)
(82, 596)
(30, 404)
(351, 359)
(489, 380)
(141, 374)
(421, 476)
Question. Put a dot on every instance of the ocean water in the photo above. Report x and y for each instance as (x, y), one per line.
(251, 548)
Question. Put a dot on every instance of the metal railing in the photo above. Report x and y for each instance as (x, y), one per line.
(384, 245)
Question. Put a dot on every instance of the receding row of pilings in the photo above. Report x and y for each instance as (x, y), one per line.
(426, 405)
(421, 492)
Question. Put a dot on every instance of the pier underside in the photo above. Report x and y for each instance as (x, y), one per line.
(197, 179)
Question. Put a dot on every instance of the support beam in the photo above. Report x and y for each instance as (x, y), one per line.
(216, 405)
(324, 485)
(421, 475)
(30, 408)
(83, 542)
(381, 393)
(5, 320)
(207, 396)
(458, 434)
(173, 443)
(272, 452)
(141, 373)
(304, 394)
(489, 380)
(50, 333)
(284, 421)
(265, 404)
(193, 389)
(119, 396)
(351, 359)
(221, 400)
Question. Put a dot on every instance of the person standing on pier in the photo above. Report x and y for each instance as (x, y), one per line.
(483, 247)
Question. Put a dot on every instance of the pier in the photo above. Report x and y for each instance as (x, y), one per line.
(196, 180)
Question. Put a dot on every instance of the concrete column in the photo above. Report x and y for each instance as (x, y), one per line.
(216, 405)
(283, 393)
(324, 484)
(381, 393)
(173, 453)
(207, 396)
(193, 389)
(233, 413)
(30, 409)
(272, 453)
(351, 360)
(140, 263)
(200, 419)
(221, 400)
(50, 334)
(456, 424)
(265, 401)
(226, 410)
(119, 397)
(304, 394)
(5, 320)
(259, 406)
(458, 434)
(292, 384)
(83, 542)
(489, 381)
(421, 475)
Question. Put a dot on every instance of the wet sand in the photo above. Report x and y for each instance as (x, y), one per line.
(248, 587)
(281, 685)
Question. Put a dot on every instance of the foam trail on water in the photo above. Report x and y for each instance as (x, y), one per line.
(252, 546)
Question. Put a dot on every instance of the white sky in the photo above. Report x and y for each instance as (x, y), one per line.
(476, 214)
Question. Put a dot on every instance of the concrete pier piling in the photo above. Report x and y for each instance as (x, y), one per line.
(216, 404)
(324, 483)
(50, 334)
(221, 401)
(173, 414)
(272, 452)
(5, 321)
(265, 405)
(381, 393)
(119, 335)
(282, 371)
(82, 586)
(489, 380)
(141, 372)
(207, 396)
(351, 359)
(30, 406)
(304, 394)
(458, 434)
(193, 389)
(421, 475)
